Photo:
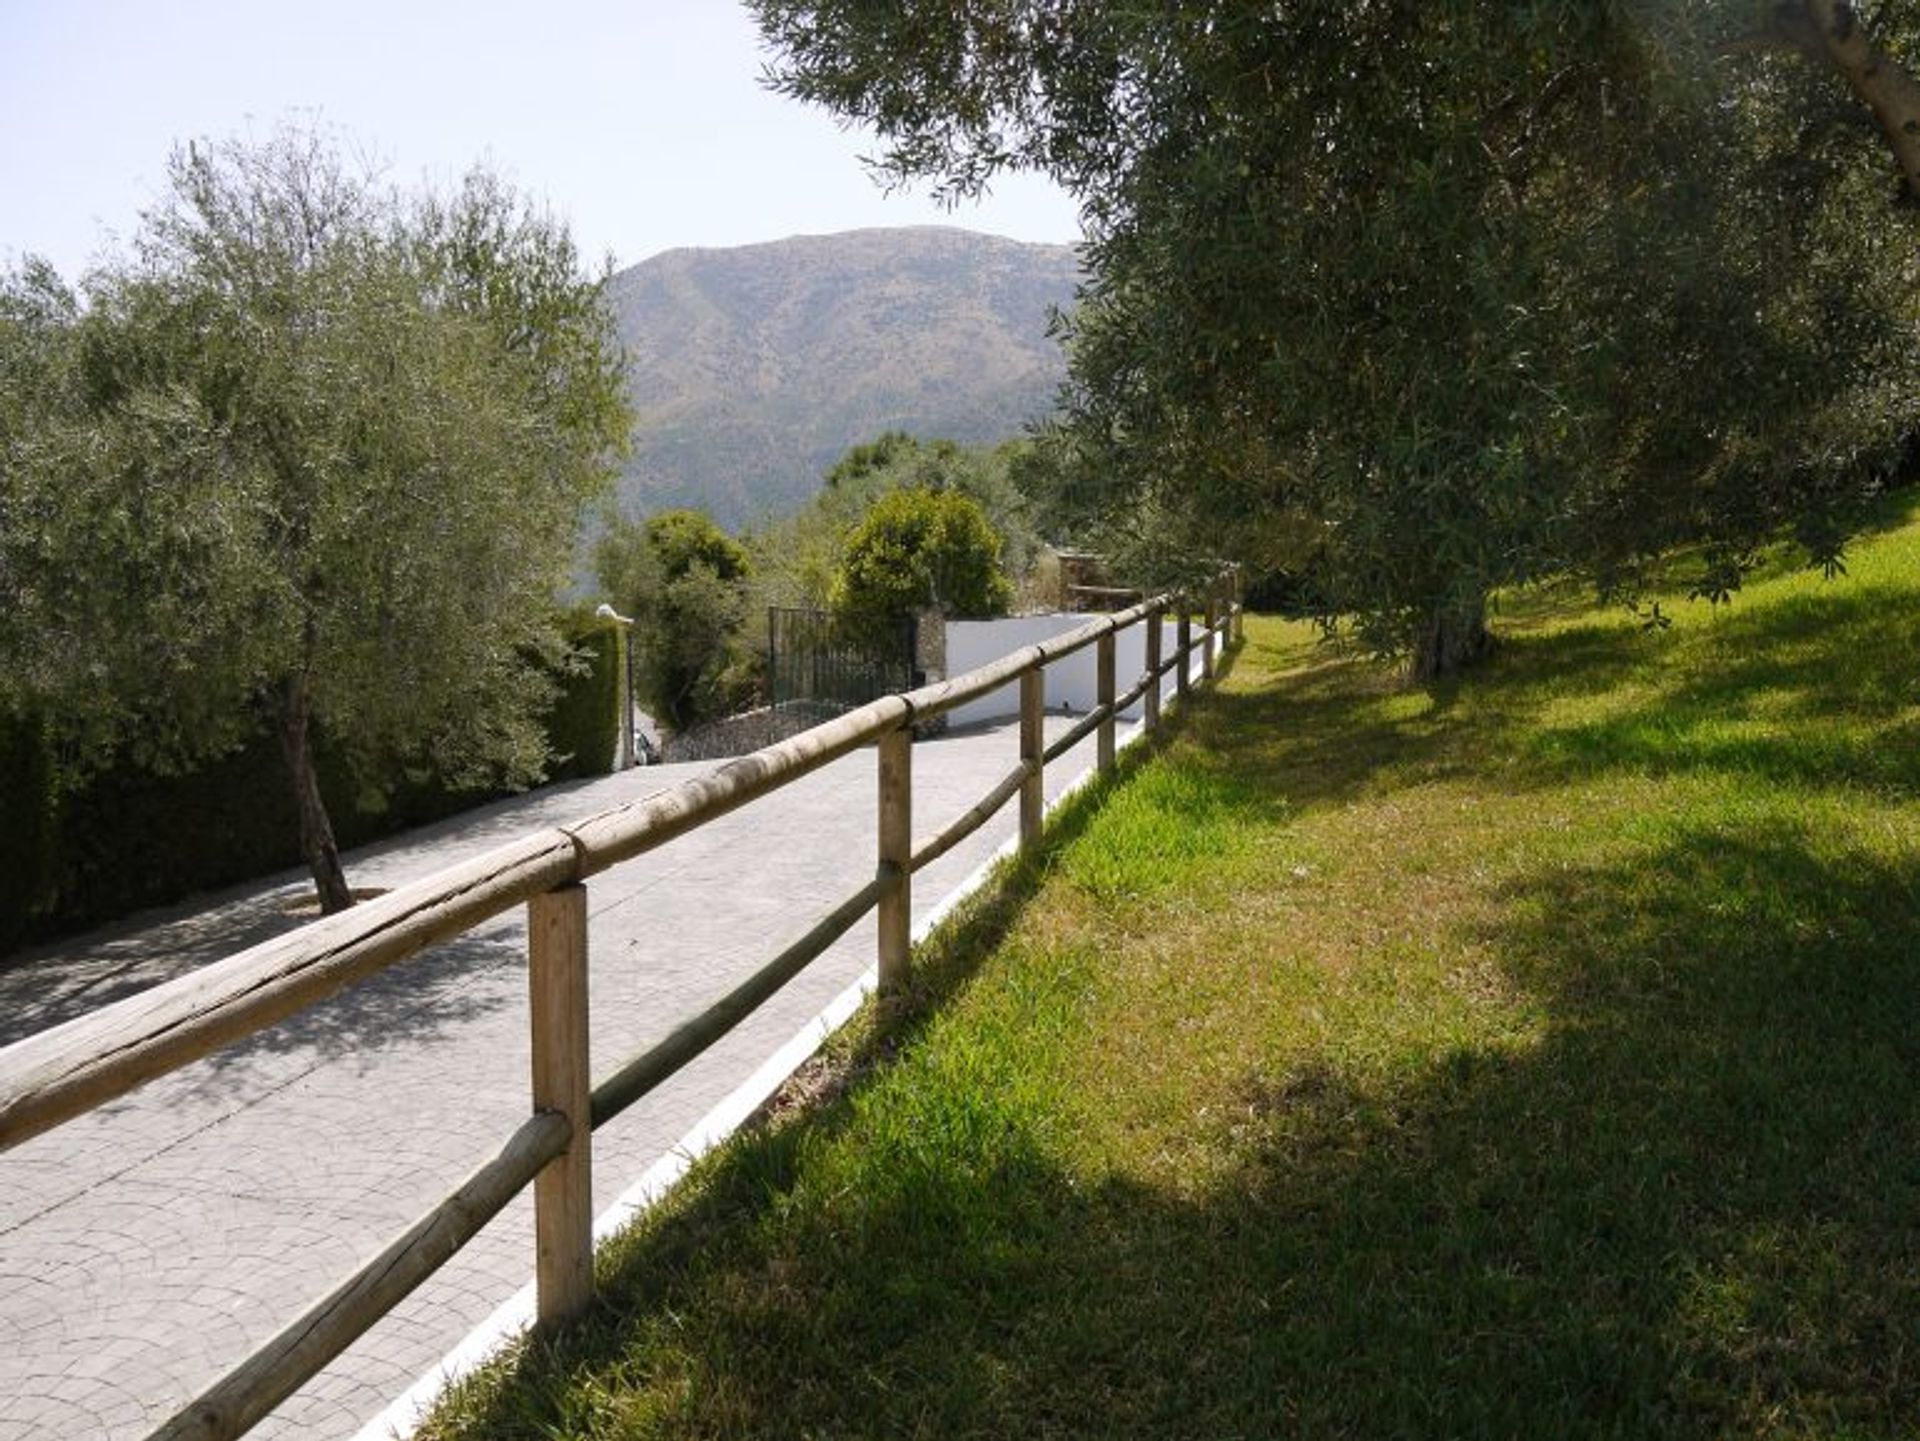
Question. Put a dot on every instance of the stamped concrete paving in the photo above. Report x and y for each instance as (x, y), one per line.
(147, 1247)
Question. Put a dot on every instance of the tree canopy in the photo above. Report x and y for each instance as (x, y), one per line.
(920, 550)
(1424, 299)
(800, 556)
(316, 447)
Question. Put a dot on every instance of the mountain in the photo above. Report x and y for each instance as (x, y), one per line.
(751, 370)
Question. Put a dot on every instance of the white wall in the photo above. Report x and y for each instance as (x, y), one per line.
(973, 643)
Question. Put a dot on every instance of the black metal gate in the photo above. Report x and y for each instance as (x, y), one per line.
(821, 668)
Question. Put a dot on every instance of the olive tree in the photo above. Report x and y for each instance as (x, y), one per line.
(1422, 300)
(1831, 36)
(316, 448)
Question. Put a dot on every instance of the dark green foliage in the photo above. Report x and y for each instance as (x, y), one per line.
(28, 818)
(799, 559)
(874, 457)
(989, 476)
(583, 727)
(118, 836)
(682, 540)
(82, 846)
(1282, 593)
(130, 837)
(684, 581)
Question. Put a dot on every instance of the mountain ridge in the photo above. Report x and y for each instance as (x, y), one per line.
(752, 368)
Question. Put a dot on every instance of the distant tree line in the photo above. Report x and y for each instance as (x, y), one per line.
(899, 527)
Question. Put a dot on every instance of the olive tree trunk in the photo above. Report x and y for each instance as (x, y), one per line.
(1453, 636)
(1829, 33)
(317, 846)
(1876, 79)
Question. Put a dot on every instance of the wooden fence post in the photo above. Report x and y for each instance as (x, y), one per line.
(1239, 603)
(563, 1190)
(1183, 645)
(895, 912)
(1213, 619)
(1103, 663)
(1152, 697)
(1033, 751)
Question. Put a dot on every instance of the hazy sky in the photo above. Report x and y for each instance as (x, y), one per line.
(642, 122)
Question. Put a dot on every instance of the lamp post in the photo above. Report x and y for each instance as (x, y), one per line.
(629, 749)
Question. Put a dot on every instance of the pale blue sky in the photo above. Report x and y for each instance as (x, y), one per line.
(640, 121)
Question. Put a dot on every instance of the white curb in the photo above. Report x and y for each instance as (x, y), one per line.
(508, 1321)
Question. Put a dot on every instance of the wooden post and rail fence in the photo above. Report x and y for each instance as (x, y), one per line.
(70, 1070)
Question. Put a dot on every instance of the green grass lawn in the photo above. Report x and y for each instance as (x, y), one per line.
(1534, 1056)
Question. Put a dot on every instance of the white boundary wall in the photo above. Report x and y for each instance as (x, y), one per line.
(1074, 681)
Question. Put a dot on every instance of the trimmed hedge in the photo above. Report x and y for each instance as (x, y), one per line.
(27, 822)
(127, 838)
(583, 728)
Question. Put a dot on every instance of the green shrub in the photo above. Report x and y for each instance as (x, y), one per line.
(130, 838)
(685, 583)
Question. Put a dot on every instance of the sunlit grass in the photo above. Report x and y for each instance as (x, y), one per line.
(1531, 1056)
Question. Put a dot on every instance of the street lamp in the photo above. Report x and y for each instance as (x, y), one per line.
(630, 751)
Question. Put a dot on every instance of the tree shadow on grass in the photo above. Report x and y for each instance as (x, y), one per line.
(1815, 691)
(1692, 1208)
(1811, 691)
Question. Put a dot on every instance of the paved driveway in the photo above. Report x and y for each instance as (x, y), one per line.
(147, 1247)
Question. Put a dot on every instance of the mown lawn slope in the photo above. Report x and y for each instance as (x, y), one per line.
(1534, 1056)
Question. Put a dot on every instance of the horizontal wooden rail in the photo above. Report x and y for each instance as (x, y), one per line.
(63, 1072)
(659, 1061)
(70, 1069)
(73, 1068)
(251, 1390)
(930, 850)
(639, 826)
(1082, 728)
(1126, 701)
